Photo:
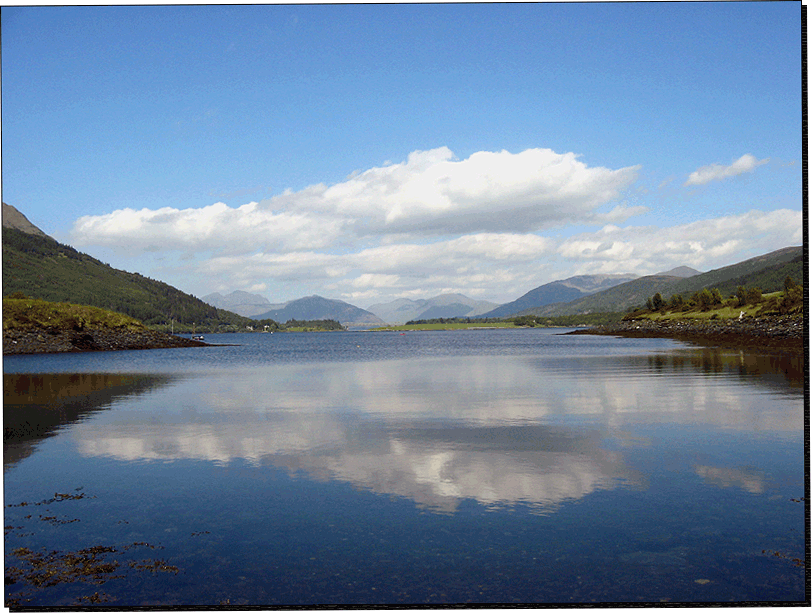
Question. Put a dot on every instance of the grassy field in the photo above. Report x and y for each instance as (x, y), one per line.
(30, 313)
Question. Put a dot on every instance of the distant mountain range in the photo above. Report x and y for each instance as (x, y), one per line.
(316, 307)
(242, 303)
(561, 291)
(443, 306)
(40, 267)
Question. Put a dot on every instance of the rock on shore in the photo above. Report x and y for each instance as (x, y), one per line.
(774, 332)
(101, 339)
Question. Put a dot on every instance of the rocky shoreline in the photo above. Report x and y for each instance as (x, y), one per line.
(102, 339)
(765, 333)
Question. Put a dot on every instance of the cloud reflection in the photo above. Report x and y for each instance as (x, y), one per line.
(497, 429)
(747, 479)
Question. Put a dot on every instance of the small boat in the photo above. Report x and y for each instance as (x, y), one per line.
(198, 337)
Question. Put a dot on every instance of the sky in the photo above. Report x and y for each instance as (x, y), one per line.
(367, 153)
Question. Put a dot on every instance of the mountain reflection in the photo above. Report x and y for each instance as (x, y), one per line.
(37, 406)
(496, 429)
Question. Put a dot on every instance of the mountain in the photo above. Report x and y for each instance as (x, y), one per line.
(767, 271)
(445, 305)
(12, 218)
(316, 307)
(36, 265)
(680, 271)
(240, 302)
(565, 290)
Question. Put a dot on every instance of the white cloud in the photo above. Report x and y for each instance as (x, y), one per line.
(433, 193)
(705, 244)
(428, 225)
(247, 228)
(717, 172)
(501, 267)
(430, 194)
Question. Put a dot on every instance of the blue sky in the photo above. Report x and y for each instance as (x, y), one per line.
(372, 152)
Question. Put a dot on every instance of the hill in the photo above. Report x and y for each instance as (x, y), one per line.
(38, 266)
(442, 306)
(767, 271)
(316, 308)
(242, 303)
(565, 290)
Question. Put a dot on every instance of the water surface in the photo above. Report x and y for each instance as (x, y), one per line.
(494, 466)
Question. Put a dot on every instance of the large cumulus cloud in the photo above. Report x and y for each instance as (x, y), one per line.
(492, 226)
(430, 194)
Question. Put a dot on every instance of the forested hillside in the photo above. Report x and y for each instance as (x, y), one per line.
(766, 272)
(40, 267)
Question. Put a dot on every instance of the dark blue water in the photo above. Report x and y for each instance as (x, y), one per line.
(489, 467)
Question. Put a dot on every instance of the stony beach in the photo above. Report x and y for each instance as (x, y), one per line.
(102, 339)
(773, 333)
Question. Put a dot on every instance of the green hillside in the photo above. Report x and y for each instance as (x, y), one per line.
(40, 267)
(766, 272)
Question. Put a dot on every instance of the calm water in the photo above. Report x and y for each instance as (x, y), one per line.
(378, 468)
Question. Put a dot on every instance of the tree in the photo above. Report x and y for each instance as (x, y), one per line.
(657, 301)
(754, 295)
(704, 299)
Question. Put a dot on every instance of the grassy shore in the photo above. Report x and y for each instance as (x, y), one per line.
(39, 326)
(31, 314)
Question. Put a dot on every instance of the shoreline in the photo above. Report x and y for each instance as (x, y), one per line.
(771, 334)
(37, 341)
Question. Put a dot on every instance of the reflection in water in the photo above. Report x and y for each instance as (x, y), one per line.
(440, 466)
(499, 430)
(441, 479)
(435, 466)
(743, 478)
(778, 372)
(37, 406)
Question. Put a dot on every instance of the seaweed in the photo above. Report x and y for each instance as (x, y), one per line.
(94, 565)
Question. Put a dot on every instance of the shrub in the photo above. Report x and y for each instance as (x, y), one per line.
(754, 295)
